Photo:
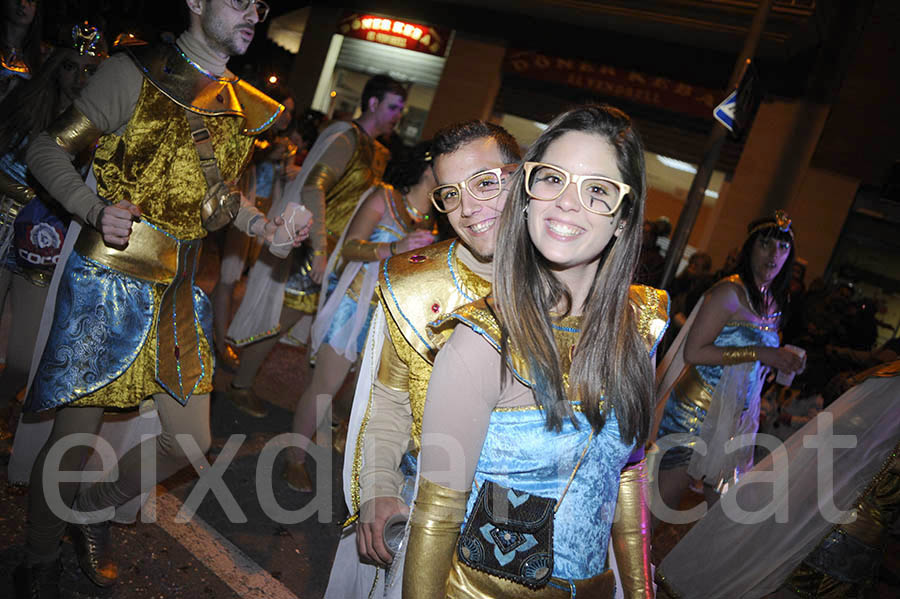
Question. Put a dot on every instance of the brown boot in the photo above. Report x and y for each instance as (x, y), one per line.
(247, 401)
(91, 543)
(296, 476)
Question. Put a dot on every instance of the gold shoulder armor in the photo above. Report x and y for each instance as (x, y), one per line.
(480, 316)
(183, 82)
(651, 307)
(417, 287)
(74, 132)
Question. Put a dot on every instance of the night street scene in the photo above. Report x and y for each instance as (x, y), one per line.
(450, 299)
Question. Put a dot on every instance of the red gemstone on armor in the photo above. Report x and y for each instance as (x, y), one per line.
(177, 352)
(220, 98)
(435, 307)
(417, 258)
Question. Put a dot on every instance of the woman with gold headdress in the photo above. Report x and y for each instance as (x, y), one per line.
(709, 383)
(541, 400)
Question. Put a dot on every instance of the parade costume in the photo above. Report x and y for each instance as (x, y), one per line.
(576, 472)
(801, 545)
(343, 163)
(344, 313)
(386, 420)
(127, 323)
(703, 395)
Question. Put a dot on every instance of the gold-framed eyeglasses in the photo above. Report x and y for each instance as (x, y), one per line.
(262, 9)
(598, 194)
(483, 186)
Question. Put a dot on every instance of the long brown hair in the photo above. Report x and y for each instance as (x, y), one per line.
(32, 105)
(611, 368)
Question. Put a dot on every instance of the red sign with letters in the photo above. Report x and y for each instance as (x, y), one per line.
(396, 32)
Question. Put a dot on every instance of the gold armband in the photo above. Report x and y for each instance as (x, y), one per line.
(20, 194)
(631, 532)
(739, 355)
(359, 250)
(321, 177)
(434, 529)
(73, 131)
(392, 371)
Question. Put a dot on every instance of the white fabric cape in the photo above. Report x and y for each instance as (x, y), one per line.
(259, 314)
(722, 557)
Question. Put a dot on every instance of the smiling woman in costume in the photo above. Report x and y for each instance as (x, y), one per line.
(539, 406)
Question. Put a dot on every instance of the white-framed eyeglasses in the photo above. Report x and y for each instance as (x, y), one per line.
(483, 186)
(598, 194)
(262, 9)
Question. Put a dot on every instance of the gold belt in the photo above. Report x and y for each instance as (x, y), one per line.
(692, 390)
(465, 582)
(153, 255)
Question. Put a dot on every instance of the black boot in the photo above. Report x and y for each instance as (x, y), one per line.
(38, 581)
(91, 543)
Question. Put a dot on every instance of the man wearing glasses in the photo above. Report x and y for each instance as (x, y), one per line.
(171, 126)
(473, 163)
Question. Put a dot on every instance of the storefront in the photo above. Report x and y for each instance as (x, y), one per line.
(366, 44)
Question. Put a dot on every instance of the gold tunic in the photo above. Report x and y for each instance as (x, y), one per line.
(156, 149)
(366, 166)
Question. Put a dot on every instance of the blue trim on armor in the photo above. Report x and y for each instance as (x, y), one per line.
(487, 336)
(387, 281)
(267, 123)
(453, 272)
(566, 329)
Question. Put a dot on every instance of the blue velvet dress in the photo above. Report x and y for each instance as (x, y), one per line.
(520, 453)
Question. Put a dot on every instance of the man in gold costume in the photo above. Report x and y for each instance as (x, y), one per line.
(171, 125)
(472, 163)
(281, 293)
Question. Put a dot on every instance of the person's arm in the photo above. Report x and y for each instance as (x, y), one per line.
(386, 440)
(104, 106)
(631, 529)
(358, 248)
(324, 175)
(721, 303)
(464, 388)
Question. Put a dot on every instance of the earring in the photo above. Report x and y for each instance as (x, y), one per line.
(525, 211)
(621, 226)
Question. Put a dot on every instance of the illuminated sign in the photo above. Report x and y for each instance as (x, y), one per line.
(395, 32)
(614, 82)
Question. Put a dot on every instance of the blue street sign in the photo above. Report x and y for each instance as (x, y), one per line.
(724, 112)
